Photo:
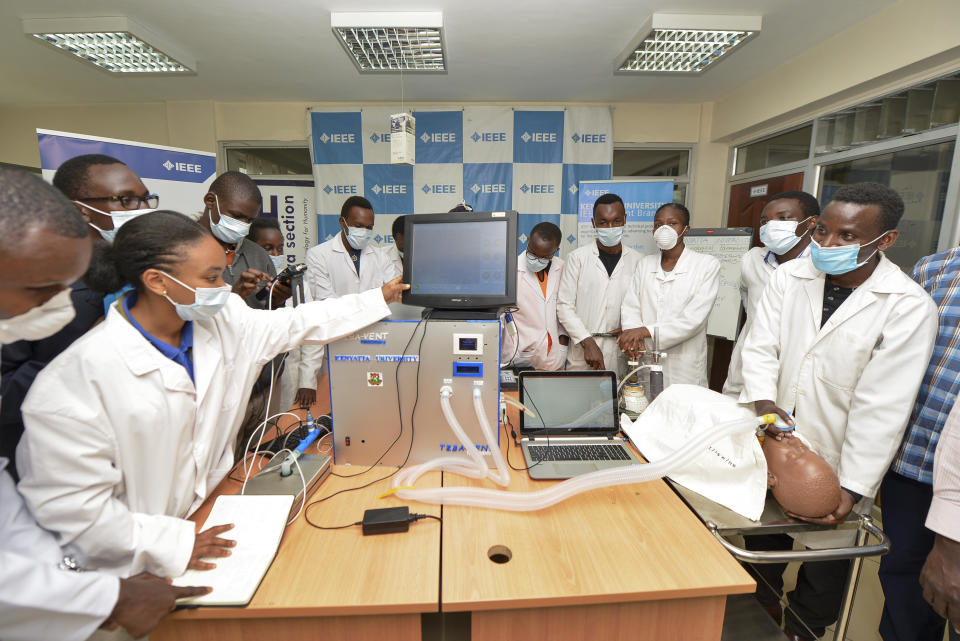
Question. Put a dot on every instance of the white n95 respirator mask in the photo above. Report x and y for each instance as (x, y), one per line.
(41, 321)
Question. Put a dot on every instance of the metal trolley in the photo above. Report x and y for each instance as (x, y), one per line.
(724, 523)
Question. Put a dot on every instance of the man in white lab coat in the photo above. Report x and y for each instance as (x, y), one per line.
(785, 226)
(395, 251)
(841, 340)
(538, 341)
(595, 279)
(672, 294)
(348, 263)
(39, 597)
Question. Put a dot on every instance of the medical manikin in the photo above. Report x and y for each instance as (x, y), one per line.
(802, 482)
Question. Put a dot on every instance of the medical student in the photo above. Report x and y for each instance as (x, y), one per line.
(130, 429)
(107, 193)
(595, 279)
(348, 263)
(298, 381)
(539, 341)
(841, 340)
(785, 226)
(232, 204)
(395, 251)
(39, 597)
(672, 295)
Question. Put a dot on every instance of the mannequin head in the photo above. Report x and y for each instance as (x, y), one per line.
(802, 482)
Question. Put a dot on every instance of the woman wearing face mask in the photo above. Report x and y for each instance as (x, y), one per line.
(131, 427)
(672, 294)
(786, 223)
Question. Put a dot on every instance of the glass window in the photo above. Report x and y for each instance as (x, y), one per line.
(787, 147)
(920, 175)
(269, 161)
(651, 162)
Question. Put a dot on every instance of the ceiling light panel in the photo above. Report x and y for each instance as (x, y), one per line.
(391, 42)
(115, 44)
(686, 44)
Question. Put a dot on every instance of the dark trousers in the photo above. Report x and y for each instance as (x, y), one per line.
(906, 615)
(815, 602)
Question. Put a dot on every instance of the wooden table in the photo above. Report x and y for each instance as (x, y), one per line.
(625, 562)
(617, 563)
(331, 584)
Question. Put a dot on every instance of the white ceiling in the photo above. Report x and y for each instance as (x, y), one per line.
(498, 50)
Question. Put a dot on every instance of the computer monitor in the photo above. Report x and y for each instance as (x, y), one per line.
(464, 260)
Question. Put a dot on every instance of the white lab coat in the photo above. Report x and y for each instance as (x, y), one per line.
(676, 304)
(755, 271)
(393, 255)
(300, 368)
(121, 446)
(37, 599)
(536, 316)
(851, 383)
(589, 301)
(330, 272)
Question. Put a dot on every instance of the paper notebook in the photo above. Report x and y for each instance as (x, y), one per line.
(259, 522)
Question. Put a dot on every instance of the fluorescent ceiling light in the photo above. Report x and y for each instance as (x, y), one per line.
(392, 41)
(117, 44)
(681, 43)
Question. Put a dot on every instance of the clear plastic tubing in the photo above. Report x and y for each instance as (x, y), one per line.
(475, 467)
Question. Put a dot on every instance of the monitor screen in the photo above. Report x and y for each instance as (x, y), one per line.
(461, 260)
(569, 401)
(475, 265)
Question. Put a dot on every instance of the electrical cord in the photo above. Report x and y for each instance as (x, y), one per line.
(411, 519)
(425, 321)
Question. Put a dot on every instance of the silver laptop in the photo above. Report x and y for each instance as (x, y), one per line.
(575, 429)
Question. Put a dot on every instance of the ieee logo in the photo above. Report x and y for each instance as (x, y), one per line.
(589, 138)
(539, 136)
(496, 188)
(389, 190)
(538, 189)
(380, 137)
(168, 165)
(439, 137)
(439, 189)
(188, 167)
(340, 189)
(338, 138)
(489, 136)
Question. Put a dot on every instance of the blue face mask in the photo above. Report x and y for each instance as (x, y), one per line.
(840, 259)
(358, 237)
(610, 236)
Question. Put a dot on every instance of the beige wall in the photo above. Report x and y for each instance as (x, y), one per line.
(200, 124)
(906, 43)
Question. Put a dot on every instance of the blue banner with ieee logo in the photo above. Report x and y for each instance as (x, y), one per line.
(180, 177)
(531, 159)
(641, 199)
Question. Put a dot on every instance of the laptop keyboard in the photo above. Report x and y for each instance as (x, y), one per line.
(600, 452)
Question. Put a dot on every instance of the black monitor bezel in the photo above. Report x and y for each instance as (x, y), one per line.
(452, 301)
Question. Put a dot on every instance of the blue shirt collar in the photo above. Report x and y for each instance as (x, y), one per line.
(182, 354)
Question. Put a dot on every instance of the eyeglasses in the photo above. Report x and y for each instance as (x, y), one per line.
(130, 201)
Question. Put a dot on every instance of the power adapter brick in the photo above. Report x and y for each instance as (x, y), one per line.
(386, 520)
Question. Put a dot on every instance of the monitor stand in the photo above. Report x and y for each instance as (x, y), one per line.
(488, 313)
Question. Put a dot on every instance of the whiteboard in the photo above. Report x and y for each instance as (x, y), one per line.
(728, 246)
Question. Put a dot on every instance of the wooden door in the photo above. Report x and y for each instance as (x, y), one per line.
(747, 200)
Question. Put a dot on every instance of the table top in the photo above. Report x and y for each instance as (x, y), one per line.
(341, 572)
(633, 542)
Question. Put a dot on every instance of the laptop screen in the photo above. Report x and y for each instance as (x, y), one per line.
(568, 402)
